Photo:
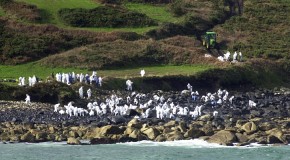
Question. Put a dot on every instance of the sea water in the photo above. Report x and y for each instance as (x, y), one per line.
(144, 150)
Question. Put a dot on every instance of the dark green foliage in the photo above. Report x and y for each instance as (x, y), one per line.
(148, 1)
(266, 26)
(5, 2)
(110, 1)
(178, 8)
(52, 92)
(26, 47)
(5, 92)
(169, 30)
(104, 16)
(21, 43)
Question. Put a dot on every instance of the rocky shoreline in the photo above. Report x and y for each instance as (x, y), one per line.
(266, 123)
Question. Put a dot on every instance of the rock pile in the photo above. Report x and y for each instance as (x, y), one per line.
(238, 124)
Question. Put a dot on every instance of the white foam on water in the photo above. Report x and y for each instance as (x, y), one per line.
(47, 144)
(194, 143)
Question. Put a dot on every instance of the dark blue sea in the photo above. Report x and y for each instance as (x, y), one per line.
(144, 150)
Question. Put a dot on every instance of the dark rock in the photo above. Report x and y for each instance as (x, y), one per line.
(103, 141)
(132, 113)
(223, 137)
(117, 119)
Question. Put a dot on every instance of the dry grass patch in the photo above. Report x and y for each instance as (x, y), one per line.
(121, 53)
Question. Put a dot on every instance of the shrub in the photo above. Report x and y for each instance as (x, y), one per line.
(177, 8)
(104, 16)
(109, 1)
(150, 1)
(21, 10)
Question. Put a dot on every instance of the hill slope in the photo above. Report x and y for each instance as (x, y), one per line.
(178, 50)
(260, 30)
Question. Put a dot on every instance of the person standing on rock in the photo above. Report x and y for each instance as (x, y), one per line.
(142, 73)
(240, 56)
(129, 84)
(27, 99)
(81, 92)
(235, 55)
(89, 92)
(100, 81)
(189, 87)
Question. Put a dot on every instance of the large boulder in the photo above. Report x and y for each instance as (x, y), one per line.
(59, 138)
(128, 130)
(41, 136)
(208, 130)
(276, 136)
(223, 138)
(134, 123)
(73, 134)
(110, 129)
(174, 135)
(194, 133)
(73, 141)
(205, 118)
(151, 133)
(102, 140)
(160, 138)
(249, 127)
(242, 138)
(28, 137)
(170, 124)
(266, 126)
(182, 126)
(136, 134)
(118, 119)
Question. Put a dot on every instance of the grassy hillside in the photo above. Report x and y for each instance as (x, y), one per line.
(120, 53)
(49, 8)
(22, 43)
(261, 31)
(30, 69)
(157, 12)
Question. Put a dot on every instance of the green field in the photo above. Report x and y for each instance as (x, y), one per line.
(158, 13)
(49, 10)
(30, 69)
(50, 7)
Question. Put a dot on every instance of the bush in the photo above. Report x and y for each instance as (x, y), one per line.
(177, 8)
(5, 2)
(23, 43)
(150, 1)
(109, 1)
(21, 10)
(104, 16)
(168, 30)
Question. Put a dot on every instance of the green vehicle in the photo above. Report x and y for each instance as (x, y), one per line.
(209, 40)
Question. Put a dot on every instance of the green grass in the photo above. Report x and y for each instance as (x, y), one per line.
(49, 10)
(50, 7)
(30, 69)
(156, 71)
(158, 13)
(1, 12)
